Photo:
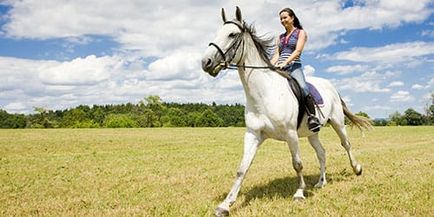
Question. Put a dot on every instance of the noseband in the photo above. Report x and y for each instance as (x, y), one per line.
(234, 46)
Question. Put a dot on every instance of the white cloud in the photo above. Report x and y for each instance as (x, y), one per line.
(417, 87)
(181, 65)
(15, 106)
(431, 83)
(368, 82)
(173, 35)
(347, 69)
(376, 108)
(157, 26)
(81, 71)
(396, 84)
(154, 27)
(347, 100)
(429, 33)
(110, 79)
(393, 53)
(309, 70)
(401, 96)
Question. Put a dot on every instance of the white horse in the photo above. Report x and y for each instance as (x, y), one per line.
(271, 107)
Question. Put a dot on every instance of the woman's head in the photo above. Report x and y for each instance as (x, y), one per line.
(288, 17)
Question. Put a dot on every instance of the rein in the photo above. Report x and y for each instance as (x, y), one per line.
(277, 70)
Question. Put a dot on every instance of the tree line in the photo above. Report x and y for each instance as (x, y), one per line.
(150, 112)
(153, 112)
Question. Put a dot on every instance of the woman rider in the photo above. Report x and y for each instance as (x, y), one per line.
(287, 57)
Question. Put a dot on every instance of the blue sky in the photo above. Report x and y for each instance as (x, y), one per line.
(58, 54)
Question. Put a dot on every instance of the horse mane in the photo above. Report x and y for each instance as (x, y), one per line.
(264, 44)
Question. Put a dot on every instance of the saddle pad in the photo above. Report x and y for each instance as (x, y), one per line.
(315, 94)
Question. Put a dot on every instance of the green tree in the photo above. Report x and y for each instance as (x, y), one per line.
(97, 115)
(12, 120)
(381, 122)
(429, 110)
(154, 103)
(209, 119)
(79, 117)
(174, 117)
(192, 119)
(430, 115)
(363, 114)
(41, 119)
(413, 117)
(396, 119)
(119, 121)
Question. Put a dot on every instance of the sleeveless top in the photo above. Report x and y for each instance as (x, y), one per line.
(287, 45)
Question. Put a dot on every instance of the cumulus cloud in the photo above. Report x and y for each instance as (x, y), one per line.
(180, 65)
(396, 84)
(309, 70)
(401, 96)
(347, 69)
(109, 79)
(154, 26)
(429, 33)
(393, 53)
(417, 87)
(368, 82)
(81, 71)
(160, 45)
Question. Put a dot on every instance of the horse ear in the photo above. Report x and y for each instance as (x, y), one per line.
(238, 14)
(223, 15)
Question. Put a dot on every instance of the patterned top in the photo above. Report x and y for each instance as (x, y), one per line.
(287, 45)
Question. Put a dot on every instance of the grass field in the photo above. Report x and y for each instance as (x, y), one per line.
(188, 172)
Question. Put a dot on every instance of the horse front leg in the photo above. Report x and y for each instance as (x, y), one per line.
(294, 147)
(252, 141)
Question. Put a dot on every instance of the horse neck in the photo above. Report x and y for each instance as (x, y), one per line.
(260, 85)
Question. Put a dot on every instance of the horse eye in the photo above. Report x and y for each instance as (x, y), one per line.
(232, 35)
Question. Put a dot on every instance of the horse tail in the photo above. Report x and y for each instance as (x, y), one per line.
(360, 121)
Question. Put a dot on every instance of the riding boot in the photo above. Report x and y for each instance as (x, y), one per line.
(312, 121)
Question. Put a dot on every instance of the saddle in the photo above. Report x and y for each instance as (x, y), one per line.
(302, 99)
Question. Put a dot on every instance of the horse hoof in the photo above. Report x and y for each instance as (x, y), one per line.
(220, 212)
(319, 185)
(298, 198)
(358, 170)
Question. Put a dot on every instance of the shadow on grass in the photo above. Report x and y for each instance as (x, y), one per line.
(286, 187)
(280, 188)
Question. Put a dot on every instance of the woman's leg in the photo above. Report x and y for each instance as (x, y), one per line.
(312, 121)
(298, 75)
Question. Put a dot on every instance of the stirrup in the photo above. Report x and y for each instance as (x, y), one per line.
(313, 124)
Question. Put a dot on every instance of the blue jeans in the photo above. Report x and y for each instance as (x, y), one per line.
(295, 71)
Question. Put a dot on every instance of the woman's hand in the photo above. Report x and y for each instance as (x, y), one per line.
(281, 65)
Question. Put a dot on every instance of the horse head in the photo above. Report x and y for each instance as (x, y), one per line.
(224, 48)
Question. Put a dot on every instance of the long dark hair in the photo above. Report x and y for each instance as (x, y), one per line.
(292, 14)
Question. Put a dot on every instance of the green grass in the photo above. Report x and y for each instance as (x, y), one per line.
(188, 172)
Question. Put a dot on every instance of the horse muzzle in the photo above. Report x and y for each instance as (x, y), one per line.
(210, 67)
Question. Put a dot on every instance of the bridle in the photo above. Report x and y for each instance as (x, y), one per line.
(226, 62)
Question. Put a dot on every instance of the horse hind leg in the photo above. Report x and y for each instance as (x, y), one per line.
(320, 153)
(339, 127)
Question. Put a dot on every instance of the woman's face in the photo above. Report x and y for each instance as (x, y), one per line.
(286, 20)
